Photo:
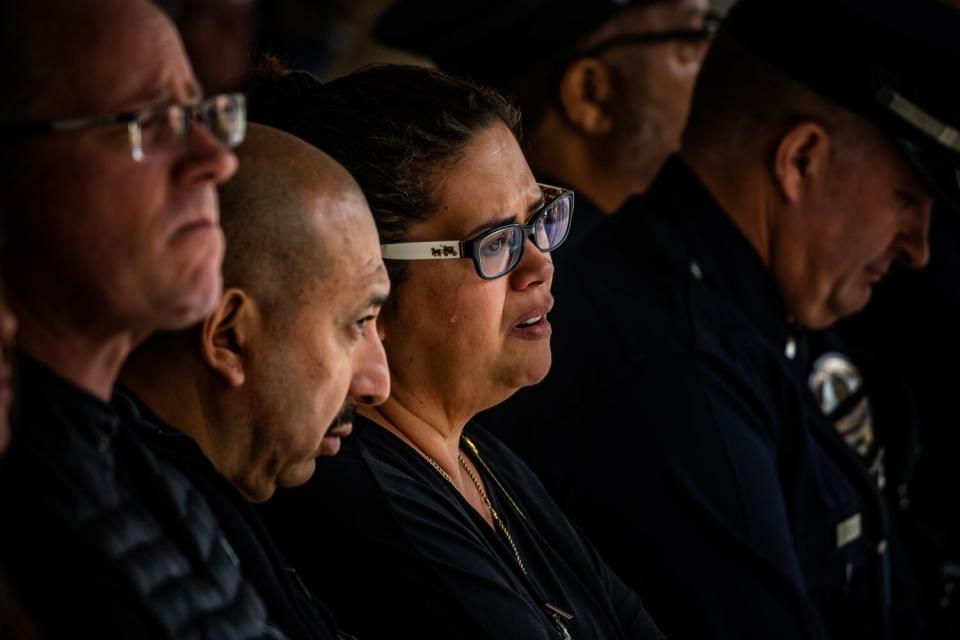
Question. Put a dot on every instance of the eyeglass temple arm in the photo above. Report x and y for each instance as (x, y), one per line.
(439, 250)
(17, 130)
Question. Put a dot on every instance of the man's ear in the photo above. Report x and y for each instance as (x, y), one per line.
(586, 95)
(801, 158)
(225, 335)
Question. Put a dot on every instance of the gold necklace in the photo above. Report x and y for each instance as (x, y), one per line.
(497, 521)
(558, 615)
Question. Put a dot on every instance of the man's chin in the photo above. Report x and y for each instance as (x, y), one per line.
(200, 301)
(296, 475)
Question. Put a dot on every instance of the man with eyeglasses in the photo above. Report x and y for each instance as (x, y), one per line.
(603, 85)
(109, 230)
(683, 423)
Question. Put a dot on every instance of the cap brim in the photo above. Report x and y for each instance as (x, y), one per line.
(940, 170)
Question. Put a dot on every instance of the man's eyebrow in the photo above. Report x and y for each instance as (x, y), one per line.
(377, 300)
(157, 96)
(148, 97)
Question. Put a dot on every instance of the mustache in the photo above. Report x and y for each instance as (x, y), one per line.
(346, 415)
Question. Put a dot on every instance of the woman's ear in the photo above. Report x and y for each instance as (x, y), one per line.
(586, 96)
(801, 159)
(225, 335)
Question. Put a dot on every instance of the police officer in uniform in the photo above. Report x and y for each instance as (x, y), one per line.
(679, 426)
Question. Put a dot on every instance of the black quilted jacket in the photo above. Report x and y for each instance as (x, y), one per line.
(100, 539)
(291, 607)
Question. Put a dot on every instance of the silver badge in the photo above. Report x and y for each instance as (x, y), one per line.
(835, 378)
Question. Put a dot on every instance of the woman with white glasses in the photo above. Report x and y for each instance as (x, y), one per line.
(425, 526)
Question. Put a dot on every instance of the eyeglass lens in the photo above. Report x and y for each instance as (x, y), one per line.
(226, 118)
(499, 252)
(222, 115)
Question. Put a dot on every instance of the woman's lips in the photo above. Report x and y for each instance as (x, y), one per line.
(533, 324)
(537, 330)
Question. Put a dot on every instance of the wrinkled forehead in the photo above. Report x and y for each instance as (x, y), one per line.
(107, 56)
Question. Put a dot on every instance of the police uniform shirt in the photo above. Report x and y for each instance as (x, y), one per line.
(677, 428)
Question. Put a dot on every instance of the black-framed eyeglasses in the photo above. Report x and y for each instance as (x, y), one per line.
(700, 35)
(153, 130)
(497, 252)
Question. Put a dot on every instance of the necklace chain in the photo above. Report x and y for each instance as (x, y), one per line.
(557, 615)
(497, 520)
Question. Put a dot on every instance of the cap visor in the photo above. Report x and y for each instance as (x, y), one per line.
(940, 171)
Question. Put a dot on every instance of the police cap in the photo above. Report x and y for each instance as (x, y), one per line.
(492, 40)
(894, 62)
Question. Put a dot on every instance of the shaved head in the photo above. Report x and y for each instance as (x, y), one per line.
(274, 213)
(293, 342)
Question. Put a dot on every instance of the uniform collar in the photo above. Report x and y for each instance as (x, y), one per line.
(717, 251)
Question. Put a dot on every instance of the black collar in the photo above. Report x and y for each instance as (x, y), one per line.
(53, 407)
(715, 248)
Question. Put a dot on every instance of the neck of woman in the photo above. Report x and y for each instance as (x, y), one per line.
(434, 435)
(424, 425)
(433, 428)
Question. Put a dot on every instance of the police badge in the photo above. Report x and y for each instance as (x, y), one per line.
(838, 387)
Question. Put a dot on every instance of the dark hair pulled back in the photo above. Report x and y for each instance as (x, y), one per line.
(396, 128)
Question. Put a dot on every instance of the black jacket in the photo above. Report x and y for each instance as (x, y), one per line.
(102, 540)
(399, 553)
(291, 607)
(678, 429)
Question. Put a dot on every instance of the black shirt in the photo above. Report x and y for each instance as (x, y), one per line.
(678, 429)
(399, 553)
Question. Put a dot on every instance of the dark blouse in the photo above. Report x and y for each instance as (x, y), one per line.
(397, 552)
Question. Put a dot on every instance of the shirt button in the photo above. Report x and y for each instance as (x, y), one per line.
(696, 271)
(791, 349)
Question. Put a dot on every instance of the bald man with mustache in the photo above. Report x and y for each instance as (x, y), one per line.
(245, 402)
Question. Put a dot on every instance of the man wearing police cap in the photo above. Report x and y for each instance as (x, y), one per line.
(678, 425)
(603, 85)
